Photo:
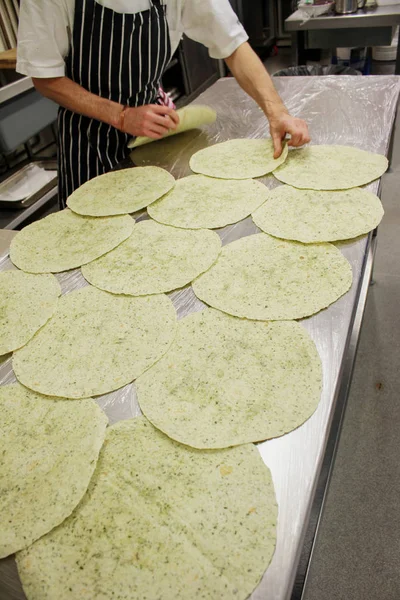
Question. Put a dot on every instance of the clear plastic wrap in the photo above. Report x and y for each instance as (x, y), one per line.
(355, 111)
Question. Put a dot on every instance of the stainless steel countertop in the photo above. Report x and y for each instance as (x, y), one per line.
(355, 111)
(381, 16)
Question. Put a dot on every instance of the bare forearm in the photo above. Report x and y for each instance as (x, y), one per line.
(252, 76)
(71, 95)
(150, 120)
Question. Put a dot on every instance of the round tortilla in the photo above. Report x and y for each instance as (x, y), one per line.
(261, 277)
(331, 167)
(315, 216)
(227, 381)
(238, 159)
(64, 241)
(190, 117)
(26, 303)
(96, 343)
(199, 202)
(154, 259)
(121, 192)
(160, 520)
(48, 453)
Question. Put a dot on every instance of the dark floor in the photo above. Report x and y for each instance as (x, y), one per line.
(357, 554)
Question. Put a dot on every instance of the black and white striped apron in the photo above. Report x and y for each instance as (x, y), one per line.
(116, 56)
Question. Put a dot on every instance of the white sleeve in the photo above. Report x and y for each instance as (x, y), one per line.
(43, 38)
(214, 24)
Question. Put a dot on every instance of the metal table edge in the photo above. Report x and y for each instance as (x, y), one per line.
(352, 21)
(321, 488)
(296, 26)
(312, 522)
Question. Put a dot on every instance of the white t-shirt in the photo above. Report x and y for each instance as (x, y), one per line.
(45, 29)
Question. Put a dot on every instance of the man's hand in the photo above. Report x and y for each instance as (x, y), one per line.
(284, 123)
(251, 75)
(150, 120)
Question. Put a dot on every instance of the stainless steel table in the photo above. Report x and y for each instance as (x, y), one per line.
(337, 109)
(366, 27)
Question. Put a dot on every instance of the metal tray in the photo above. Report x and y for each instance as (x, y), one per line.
(27, 185)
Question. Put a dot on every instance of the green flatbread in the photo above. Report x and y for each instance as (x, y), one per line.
(121, 192)
(190, 117)
(96, 343)
(331, 167)
(315, 216)
(160, 520)
(198, 201)
(238, 159)
(154, 259)
(48, 453)
(228, 381)
(64, 241)
(261, 277)
(26, 303)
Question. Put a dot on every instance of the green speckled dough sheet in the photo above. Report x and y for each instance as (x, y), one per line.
(154, 259)
(228, 381)
(189, 525)
(65, 240)
(238, 159)
(265, 278)
(96, 343)
(331, 167)
(120, 192)
(48, 453)
(26, 303)
(198, 201)
(310, 216)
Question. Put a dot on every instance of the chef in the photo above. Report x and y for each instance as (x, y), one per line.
(102, 62)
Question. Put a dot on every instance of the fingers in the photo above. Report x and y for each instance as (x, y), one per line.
(150, 120)
(277, 141)
(296, 140)
(161, 109)
(166, 111)
(286, 124)
(174, 116)
(164, 121)
(155, 131)
(299, 134)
